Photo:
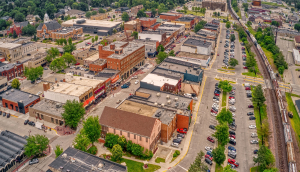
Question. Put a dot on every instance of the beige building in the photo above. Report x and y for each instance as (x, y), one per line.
(47, 110)
(10, 51)
(99, 16)
(63, 91)
(82, 55)
(38, 60)
(75, 13)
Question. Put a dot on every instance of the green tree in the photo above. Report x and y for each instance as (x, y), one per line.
(33, 74)
(275, 23)
(219, 156)
(122, 142)
(258, 99)
(185, 9)
(93, 40)
(264, 131)
(69, 58)
(28, 30)
(137, 150)
(222, 134)
(36, 145)
(141, 14)
(111, 140)
(92, 128)
(117, 152)
(171, 53)
(19, 17)
(88, 14)
(101, 10)
(125, 17)
(297, 27)
(224, 116)
(228, 169)
(81, 141)
(94, 13)
(232, 37)
(249, 23)
(58, 151)
(114, 16)
(225, 86)
(198, 165)
(52, 53)
(153, 12)
(69, 48)
(135, 34)
(233, 62)
(73, 113)
(160, 48)
(10, 35)
(57, 64)
(228, 24)
(265, 158)
(96, 38)
(15, 34)
(115, 31)
(16, 84)
(161, 57)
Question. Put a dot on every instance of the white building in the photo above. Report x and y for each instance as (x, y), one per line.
(28, 48)
(196, 46)
(153, 35)
(150, 46)
(296, 56)
(169, 26)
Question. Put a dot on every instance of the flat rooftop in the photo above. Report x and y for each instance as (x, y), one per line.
(145, 41)
(180, 66)
(99, 62)
(159, 80)
(164, 115)
(167, 73)
(16, 96)
(185, 19)
(67, 29)
(146, 19)
(93, 57)
(7, 66)
(101, 23)
(77, 80)
(74, 160)
(157, 32)
(50, 106)
(196, 42)
(69, 89)
(193, 55)
(127, 49)
(9, 45)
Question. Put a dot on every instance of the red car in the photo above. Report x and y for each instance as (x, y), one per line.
(208, 156)
(218, 54)
(231, 97)
(182, 130)
(217, 94)
(232, 136)
(247, 88)
(245, 67)
(232, 161)
(77, 64)
(250, 106)
(213, 111)
(210, 139)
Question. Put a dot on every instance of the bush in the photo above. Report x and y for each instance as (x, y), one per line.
(92, 150)
(176, 153)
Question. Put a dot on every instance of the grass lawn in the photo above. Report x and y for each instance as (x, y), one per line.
(253, 32)
(295, 121)
(270, 58)
(88, 38)
(255, 169)
(239, 13)
(194, 13)
(224, 96)
(219, 168)
(133, 166)
(273, 4)
(252, 74)
(158, 160)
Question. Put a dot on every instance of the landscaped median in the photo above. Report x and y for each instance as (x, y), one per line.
(224, 97)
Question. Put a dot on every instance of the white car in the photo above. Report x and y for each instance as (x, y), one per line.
(134, 77)
(254, 141)
(175, 144)
(215, 105)
(136, 82)
(207, 148)
(252, 126)
(72, 67)
(253, 134)
(38, 81)
(233, 115)
(248, 91)
(82, 68)
(213, 114)
(216, 101)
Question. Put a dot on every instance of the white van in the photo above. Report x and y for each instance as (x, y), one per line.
(253, 134)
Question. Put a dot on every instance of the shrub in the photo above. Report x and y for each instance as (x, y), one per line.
(176, 153)
(92, 150)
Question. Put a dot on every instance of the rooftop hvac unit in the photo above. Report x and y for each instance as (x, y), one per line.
(169, 71)
(30, 96)
(72, 159)
(158, 114)
(158, 94)
(162, 105)
(176, 99)
(155, 104)
(58, 105)
(64, 155)
(169, 101)
(168, 97)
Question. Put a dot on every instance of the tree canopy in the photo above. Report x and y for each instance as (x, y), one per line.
(161, 57)
(198, 165)
(81, 141)
(265, 158)
(125, 16)
(224, 116)
(16, 84)
(222, 134)
(58, 151)
(33, 74)
(52, 53)
(117, 152)
(228, 24)
(69, 58)
(73, 113)
(225, 86)
(57, 64)
(92, 128)
(219, 156)
(233, 62)
(36, 144)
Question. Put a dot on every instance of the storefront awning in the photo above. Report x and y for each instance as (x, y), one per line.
(115, 79)
(88, 101)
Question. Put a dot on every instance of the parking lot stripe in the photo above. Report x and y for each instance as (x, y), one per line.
(183, 168)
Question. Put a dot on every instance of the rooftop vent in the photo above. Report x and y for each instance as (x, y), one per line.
(21, 101)
(30, 96)
(169, 101)
(58, 105)
(101, 165)
(158, 94)
(162, 105)
(72, 159)
(155, 104)
(176, 99)
(12, 90)
(64, 155)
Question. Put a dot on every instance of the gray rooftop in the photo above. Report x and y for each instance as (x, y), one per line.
(7, 66)
(67, 29)
(75, 160)
(16, 96)
(128, 49)
(179, 66)
(49, 106)
(51, 25)
(196, 42)
(167, 73)
(185, 19)
(153, 32)
(11, 146)
(164, 115)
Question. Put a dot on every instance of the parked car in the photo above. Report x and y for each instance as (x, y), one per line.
(252, 118)
(247, 88)
(255, 151)
(212, 127)
(182, 130)
(232, 132)
(252, 126)
(232, 136)
(209, 153)
(26, 122)
(253, 135)
(207, 148)
(208, 161)
(33, 161)
(177, 141)
(250, 106)
(124, 86)
(176, 145)
(208, 156)
(210, 139)
(231, 148)
(233, 142)
(231, 155)
(254, 141)
(136, 82)
(4, 114)
(249, 95)
(250, 113)
(8, 115)
(31, 123)
(232, 161)
(180, 135)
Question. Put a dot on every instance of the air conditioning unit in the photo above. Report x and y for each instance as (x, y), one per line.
(158, 94)
(155, 104)
(168, 96)
(169, 101)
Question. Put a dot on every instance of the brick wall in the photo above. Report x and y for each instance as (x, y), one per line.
(182, 121)
(96, 67)
(168, 130)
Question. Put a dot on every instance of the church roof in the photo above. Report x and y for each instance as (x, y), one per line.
(51, 25)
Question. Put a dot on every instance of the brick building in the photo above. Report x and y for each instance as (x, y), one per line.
(158, 35)
(17, 27)
(19, 101)
(169, 16)
(44, 30)
(98, 65)
(188, 21)
(73, 32)
(10, 70)
(123, 56)
(149, 23)
(136, 9)
(84, 54)
(134, 25)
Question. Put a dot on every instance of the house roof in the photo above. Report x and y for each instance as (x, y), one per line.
(72, 12)
(297, 39)
(75, 160)
(11, 146)
(127, 121)
(51, 25)
(16, 96)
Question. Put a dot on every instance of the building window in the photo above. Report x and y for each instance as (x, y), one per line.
(147, 140)
(56, 120)
(17, 109)
(134, 136)
(128, 135)
(91, 93)
(52, 120)
(140, 138)
(114, 131)
(121, 133)
(42, 116)
(86, 97)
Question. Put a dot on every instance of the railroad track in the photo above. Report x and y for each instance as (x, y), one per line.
(281, 153)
